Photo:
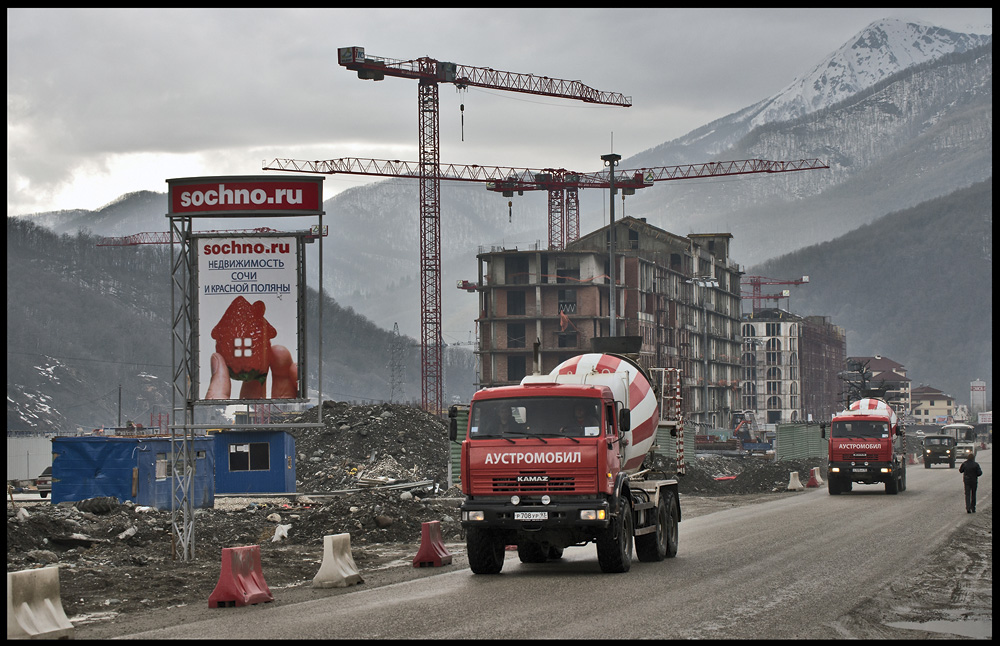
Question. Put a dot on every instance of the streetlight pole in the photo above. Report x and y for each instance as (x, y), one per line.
(611, 160)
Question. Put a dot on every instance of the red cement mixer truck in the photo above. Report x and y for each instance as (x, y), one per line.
(555, 462)
(867, 447)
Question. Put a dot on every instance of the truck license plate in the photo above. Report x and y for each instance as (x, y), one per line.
(531, 515)
(861, 469)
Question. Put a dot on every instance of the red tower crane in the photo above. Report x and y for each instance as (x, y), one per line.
(507, 180)
(755, 283)
(429, 73)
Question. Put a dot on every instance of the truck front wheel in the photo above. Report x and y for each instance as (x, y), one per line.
(485, 550)
(892, 484)
(614, 544)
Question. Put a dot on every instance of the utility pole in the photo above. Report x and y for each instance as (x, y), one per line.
(611, 160)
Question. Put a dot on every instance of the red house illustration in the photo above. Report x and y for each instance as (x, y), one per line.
(243, 337)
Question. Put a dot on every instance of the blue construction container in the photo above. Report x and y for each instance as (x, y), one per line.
(128, 468)
(254, 462)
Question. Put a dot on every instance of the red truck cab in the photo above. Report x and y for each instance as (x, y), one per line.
(866, 446)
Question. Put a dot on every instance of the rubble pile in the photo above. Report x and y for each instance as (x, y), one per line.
(715, 475)
(369, 446)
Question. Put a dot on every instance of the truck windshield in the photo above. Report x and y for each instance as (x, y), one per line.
(536, 417)
(860, 428)
(939, 441)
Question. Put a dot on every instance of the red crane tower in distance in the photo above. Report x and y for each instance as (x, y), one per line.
(430, 73)
(755, 283)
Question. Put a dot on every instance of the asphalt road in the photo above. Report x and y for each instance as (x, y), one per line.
(787, 569)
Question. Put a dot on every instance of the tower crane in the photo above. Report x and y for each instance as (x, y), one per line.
(563, 227)
(163, 237)
(430, 73)
(507, 180)
(755, 283)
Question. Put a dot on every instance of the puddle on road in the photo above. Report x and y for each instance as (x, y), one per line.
(975, 628)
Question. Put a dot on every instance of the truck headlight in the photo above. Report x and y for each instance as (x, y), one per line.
(834, 469)
(593, 514)
(473, 515)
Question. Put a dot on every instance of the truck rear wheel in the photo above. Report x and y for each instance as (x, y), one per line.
(485, 551)
(663, 542)
(614, 544)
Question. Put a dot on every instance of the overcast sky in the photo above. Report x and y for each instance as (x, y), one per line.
(104, 102)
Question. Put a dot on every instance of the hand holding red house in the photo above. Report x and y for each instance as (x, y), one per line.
(243, 352)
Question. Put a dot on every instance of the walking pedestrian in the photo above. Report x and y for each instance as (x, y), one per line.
(970, 471)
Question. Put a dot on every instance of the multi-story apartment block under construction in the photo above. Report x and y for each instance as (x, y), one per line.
(791, 366)
(678, 300)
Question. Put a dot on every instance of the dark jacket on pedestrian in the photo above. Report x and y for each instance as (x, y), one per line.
(971, 470)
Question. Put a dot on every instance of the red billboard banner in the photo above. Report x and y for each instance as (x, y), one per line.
(245, 195)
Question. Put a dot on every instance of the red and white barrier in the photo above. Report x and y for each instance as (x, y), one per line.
(432, 550)
(338, 569)
(34, 609)
(241, 581)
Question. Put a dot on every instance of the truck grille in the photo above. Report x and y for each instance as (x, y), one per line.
(556, 484)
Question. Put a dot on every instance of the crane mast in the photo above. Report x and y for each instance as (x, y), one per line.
(430, 73)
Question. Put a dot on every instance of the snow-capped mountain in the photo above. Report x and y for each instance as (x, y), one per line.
(884, 48)
(881, 49)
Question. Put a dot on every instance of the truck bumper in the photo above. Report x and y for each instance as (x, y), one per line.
(531, 516)
(866, 474)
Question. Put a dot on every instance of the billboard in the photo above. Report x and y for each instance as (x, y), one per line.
(249, 305)
(242, 196)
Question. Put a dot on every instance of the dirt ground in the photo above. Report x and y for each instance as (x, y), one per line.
(378, 473)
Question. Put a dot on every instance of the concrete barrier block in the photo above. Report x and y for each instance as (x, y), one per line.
(338, 569)
(793, 482)
(34, 608)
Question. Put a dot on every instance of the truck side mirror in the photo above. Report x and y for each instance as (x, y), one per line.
(822, 430)
(624, 420)
(453, 423)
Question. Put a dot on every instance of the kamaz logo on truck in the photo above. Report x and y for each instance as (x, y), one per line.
(532, 478)
(856, 446)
